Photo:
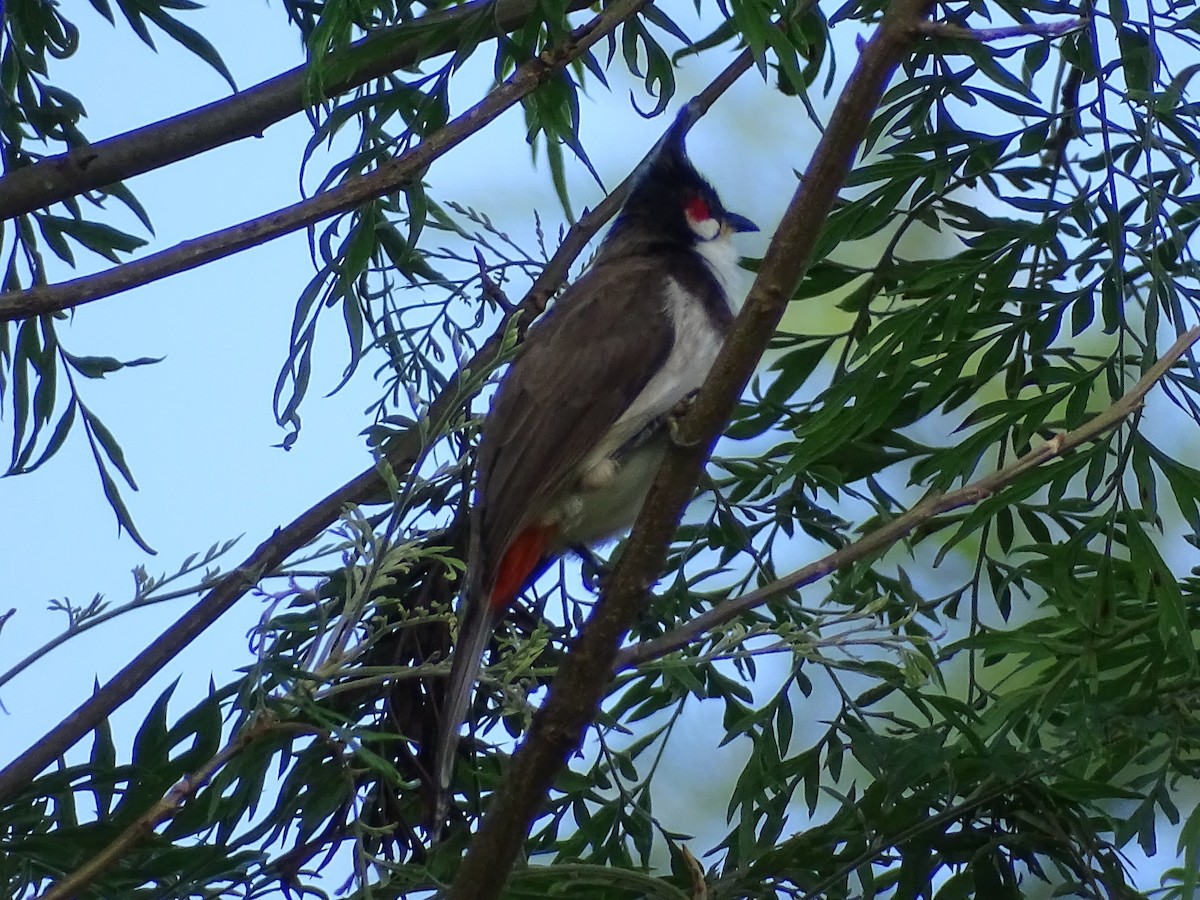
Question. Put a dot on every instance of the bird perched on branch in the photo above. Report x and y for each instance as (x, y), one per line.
(579, 424)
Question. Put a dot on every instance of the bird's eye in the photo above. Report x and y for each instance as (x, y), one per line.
(698, 211)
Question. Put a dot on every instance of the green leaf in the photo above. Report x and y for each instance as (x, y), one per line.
(94, 366)
(99, 238)
(103, 764)
(1139, 60)
(1155, 582)
(61, 430)
(191, 40)
(108, 443)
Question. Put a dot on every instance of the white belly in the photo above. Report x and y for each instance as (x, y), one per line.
(593, 516)
(697, 342)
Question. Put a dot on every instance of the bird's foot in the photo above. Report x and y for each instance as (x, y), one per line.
(673, 417)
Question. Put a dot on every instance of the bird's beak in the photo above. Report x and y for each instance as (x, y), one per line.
(738, 223)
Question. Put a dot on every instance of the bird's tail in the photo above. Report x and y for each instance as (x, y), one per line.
(522, 562)
(473, 639)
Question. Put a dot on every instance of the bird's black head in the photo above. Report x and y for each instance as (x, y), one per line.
(671, 201)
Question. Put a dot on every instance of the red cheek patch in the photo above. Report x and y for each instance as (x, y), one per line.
(697, 210)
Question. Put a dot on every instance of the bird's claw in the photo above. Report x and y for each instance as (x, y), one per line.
(673, 417)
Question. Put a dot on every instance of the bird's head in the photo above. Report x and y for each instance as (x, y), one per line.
(671, 200)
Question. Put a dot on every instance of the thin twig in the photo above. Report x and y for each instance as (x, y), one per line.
(933, 505)
(249, 112)
(960, 32)
(585, 672)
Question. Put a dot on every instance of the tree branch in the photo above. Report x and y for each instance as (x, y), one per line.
(984, 35)
(577, 690)
(935, 504)
(365, 488)
(250, 112)
(165, 809)
(390, 176)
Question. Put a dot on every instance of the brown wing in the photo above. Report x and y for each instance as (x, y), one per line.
(578, 372)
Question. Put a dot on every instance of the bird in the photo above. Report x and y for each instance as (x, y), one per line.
(580, 422)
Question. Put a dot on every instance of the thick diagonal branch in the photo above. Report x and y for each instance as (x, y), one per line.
(250, 112)
(585, 673)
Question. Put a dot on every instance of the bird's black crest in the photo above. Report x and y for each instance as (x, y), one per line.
(664, 185)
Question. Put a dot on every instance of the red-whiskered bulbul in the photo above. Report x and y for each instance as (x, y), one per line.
(579, 424)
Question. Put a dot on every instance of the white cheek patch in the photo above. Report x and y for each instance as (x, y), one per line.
(705, 229)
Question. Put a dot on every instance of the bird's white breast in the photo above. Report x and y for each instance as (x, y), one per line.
(697, 342)
(695, 347)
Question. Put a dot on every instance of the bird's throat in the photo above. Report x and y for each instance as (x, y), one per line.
(722, 259)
